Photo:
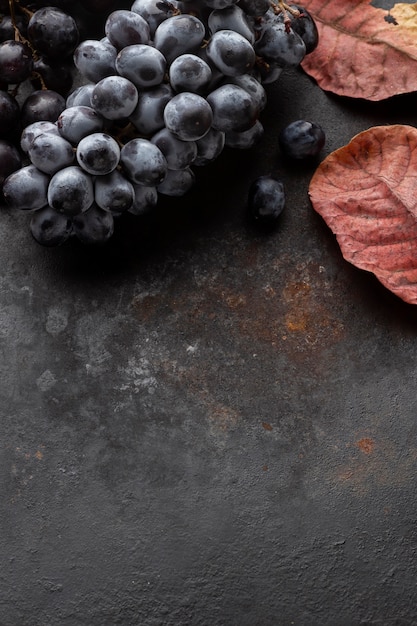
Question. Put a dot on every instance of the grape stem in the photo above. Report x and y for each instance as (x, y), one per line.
(287, 11)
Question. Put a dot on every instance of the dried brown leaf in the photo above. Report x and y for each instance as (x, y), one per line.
(361, 53)
(367, 194)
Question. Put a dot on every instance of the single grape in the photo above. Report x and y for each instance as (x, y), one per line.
(16, 62)
(42, 105)
(253, 87)
(77, 122)
(71, 191)
(8, 26)
(148, 115)
(50, 152)
(145, 199)
(233, 108)
(53, 32)
(179, 34)
(94, 226)
(26, 188)
(231, 18)
(178, 153)
(188, 116)
(143, 162)
(279, 45)
(50, 228)
(125, 28)
(301, 139)
(142, 64)
(95, 60)
(113, 192)
(114, 97)
(80, 96)
(266, 200)
(191, 73)
(306, 27)
(231, 52)
(33, 130)
(209, 147)
(245, 139)
(98, 153)
(177, 182)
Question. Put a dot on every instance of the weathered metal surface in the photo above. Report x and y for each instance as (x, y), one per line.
(204, 425)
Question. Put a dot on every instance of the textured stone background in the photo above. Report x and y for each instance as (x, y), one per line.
(202, 425)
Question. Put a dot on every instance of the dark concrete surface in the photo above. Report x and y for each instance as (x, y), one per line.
(202, 425)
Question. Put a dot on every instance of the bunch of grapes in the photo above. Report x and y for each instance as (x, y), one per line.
(167, 86)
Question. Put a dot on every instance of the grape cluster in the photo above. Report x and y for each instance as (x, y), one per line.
(165, 89)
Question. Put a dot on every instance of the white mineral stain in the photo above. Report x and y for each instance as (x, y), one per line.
(138, 376)
(57, 320)
(46, 381)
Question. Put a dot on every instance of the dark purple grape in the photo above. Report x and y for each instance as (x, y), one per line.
(57, 77)
(177, 182)
(188, 116)
(10, 160)
(254, 8)
(209, 147)
(95, 59)
(279, 45)
(142, 64)
(98, 153)
(77, 122)
(33, 130)
(179, 34)
(189, 72)
(231, 18)
(9, 114)
(233, 108)
(113, 192)
(266, 200)
(306, 27)
(50, 152)
(50, 228)
(7, 29)
(26, 188)
(245, 139)
(114, 97)
(148, 115)
(42, 105)
(53, 33)
(301, 139)
(178, 153)
(143, 162)
(80, 96)
(126, 28)
(15, 62)
(71, 191)
(95, 226)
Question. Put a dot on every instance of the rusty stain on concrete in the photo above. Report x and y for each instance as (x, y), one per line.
(366, 445)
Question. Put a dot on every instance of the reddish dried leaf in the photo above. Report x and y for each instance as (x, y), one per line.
(361, 54)
(367, 194)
